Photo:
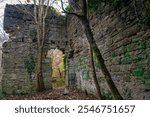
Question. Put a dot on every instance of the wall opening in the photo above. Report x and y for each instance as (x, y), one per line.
(58, 67)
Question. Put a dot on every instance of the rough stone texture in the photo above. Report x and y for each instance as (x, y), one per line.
(123, 41)
(0, 65)
(124, 44)
(20, 51)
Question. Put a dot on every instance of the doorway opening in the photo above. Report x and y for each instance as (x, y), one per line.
(58, 68)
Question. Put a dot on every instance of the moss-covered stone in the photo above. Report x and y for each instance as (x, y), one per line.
(138, 72)
(126, 59)
(85, 75)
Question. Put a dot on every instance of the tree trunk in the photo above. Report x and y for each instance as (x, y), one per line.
(39, 76)
(100, 59)
(94, 76)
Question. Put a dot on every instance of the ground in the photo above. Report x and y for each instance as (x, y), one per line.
(55, 94)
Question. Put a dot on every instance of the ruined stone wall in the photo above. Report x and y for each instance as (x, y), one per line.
(124, 42)
(19, 52)
(0, 64)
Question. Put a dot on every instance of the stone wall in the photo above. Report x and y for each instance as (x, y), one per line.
(125, 45)
(0, 64)
(18, 58)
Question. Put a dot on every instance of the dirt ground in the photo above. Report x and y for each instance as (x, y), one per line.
(55, 94)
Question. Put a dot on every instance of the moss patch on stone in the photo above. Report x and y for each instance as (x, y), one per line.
(85, 75)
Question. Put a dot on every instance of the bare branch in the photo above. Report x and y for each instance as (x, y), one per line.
(71, 13)
(85, 7)
(47, 7)
(35, 11)
(24, 8)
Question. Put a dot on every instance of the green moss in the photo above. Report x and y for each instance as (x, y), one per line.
(96, 63)
(147, 38)
(113, 54)
(107, 95)
(129, 48)
(138, 58)
(138, 72)
(117, 61)
(143, 44)
(124, 49)
(147, 80)
(126, 59)
(85, 75)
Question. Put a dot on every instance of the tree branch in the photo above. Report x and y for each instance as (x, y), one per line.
(71, 13)
(25, 9)
(35, 11)
(85, 7)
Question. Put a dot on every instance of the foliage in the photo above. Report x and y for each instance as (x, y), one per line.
(30, 64)
(61, 66)
(58, 82)
(69, 8)
(56, 10)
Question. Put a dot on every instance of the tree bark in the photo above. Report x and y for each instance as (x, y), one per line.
(94, 76)
(90, 38)
(39, 76)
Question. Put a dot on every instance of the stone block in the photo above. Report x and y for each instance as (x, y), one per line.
(115, 68)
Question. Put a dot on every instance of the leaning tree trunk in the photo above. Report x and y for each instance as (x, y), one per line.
(94, 76)
(100, 59)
